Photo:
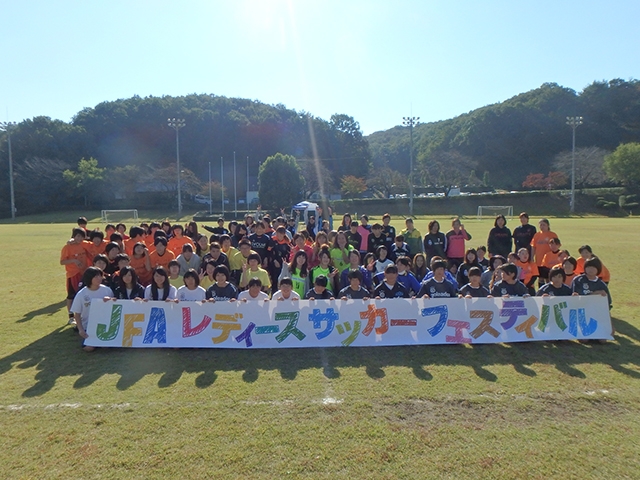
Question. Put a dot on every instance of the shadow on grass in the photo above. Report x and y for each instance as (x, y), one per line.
(49, 310)
(58, 354)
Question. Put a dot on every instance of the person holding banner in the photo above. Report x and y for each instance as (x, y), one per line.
(81, 305)
(222, 290)
(354, 290)
(160, 288)
(191, 291)
(509, 286)
(126, 285)
(589, 282)
(556, 286)
(319, 290)
(438, 286)
(474, 289)
(390, 287)
(286, 291)
(254, 291)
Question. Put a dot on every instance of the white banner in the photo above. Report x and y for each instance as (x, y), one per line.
(356, 323)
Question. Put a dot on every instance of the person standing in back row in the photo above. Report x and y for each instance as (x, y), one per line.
(499, 241)
(455, 242)
(523, 234)
(412, 237)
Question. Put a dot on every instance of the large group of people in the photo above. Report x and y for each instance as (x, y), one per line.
(262, 259)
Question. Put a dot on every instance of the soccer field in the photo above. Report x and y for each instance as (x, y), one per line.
(529, 410)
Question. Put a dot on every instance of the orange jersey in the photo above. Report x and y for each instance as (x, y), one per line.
(175, 244)
(540, 242)
(551, 259)
(161, 260)
(605, 275)
(140, 266)
(569, 278)
(74, 251)
(129, 244)
(529, 269)
(93, 250)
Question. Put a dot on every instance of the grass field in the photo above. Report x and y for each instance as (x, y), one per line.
(531, 410)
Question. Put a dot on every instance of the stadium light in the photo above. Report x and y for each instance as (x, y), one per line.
(410, 122)
(177, 124)
(7, 127)
(573, 122)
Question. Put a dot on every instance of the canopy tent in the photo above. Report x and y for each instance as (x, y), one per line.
(303, 210)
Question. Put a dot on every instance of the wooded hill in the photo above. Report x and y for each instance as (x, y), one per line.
(131, 139)
(514, 138)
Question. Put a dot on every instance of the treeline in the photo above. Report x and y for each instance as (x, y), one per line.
(520, 142)
(131, 140)
(518, 137)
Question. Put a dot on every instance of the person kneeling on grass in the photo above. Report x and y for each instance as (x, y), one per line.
(286, 290)
(127, 286)
(556, 286)
(254, 291)
(390, 287)
(319, 290)
(510, 286)
(354, 291)
(438, 286)
(589, 282)
(160, 288)
(222, 290)
(474, 289)
(191, 291)
(81, 305)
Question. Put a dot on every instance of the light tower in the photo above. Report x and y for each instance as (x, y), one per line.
(177, 124)
(410, 122)
(573, 122)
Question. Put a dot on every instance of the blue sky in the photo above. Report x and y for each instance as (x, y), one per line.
(375, 60)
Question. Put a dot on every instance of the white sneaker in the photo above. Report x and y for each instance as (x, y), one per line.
(72, 321)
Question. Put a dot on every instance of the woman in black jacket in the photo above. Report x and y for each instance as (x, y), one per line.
(126, 285)
(500, 240)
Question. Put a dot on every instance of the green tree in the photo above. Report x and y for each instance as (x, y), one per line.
(589, 165)
(87, 180)
(166, 180)
(124, 181)
(280, 182)
(486, 181)
(386, 181)
(352, 186)
(623, 165)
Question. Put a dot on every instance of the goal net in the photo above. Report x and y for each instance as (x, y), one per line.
(493, 210)
(112, 215)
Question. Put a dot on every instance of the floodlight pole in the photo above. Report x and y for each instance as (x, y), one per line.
(222, 181)
(573, 122)
(177, 124)
(410, 122)
(7, 127)
(235, 187)
(210, 199)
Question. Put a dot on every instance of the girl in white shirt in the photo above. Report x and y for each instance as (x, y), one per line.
(160, 288)
(191, 291)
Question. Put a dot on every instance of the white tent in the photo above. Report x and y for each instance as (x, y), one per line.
(304, 210)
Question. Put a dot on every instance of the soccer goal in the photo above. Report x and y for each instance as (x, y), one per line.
(119, 214)
(493, 210)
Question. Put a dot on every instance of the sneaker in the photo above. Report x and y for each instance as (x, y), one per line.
(72, 321)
